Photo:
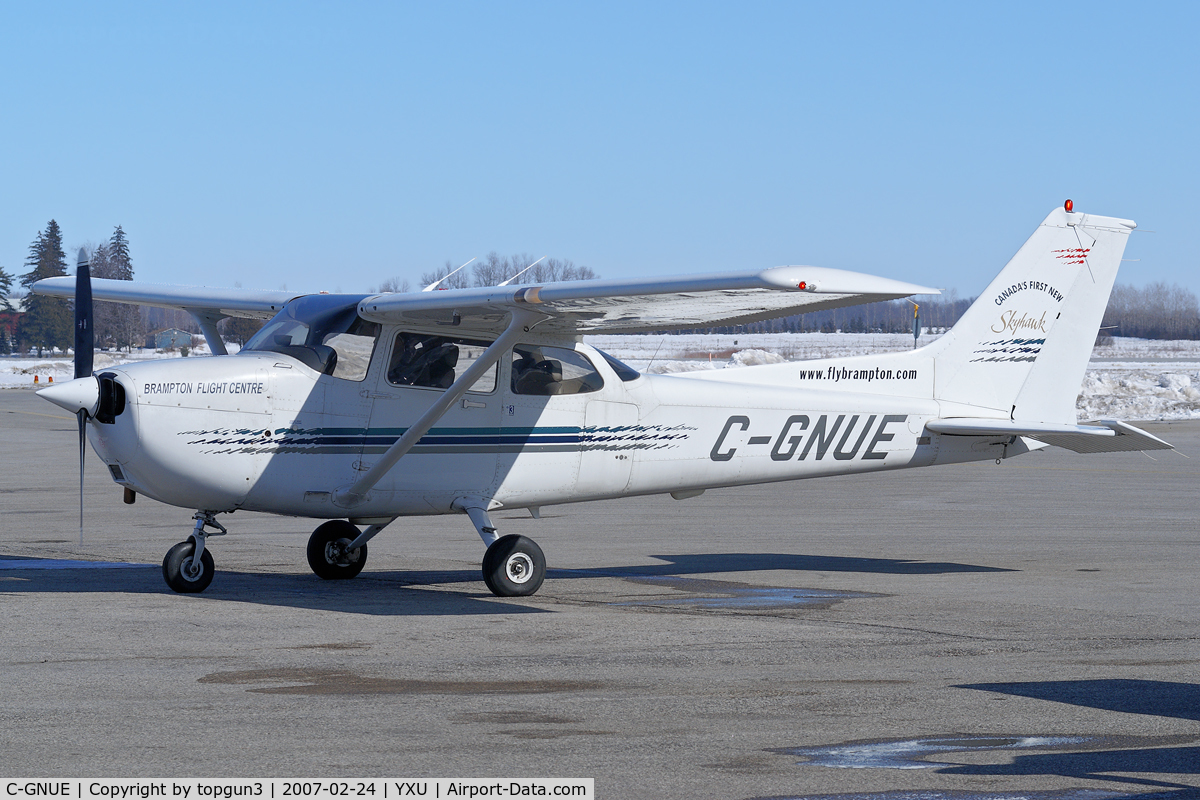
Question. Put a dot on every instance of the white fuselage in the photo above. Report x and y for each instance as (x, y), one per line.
(263, 432)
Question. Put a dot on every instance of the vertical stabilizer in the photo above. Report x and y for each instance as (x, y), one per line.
(1022, 348)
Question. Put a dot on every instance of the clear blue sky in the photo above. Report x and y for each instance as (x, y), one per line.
(330, 146)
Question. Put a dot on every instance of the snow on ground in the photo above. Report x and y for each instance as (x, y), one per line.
(1129, 379)
(18, 372)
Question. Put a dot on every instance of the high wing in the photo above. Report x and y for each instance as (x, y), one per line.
(207, 306)
(604, 306)
(252, 303)
(643, 304)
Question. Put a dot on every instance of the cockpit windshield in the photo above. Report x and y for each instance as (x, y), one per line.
(323, 332)
(623, 370)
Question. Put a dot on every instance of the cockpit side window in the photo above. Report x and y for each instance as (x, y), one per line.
(323, 332)
(542, 370)
(353, 348)
(422, 359)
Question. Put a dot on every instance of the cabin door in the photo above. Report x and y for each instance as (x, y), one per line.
(458, 455)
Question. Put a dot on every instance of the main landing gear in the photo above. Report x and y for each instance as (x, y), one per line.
(513, 565)
(330, 553)
(188, 567)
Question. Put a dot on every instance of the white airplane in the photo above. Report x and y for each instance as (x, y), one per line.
(364, 409)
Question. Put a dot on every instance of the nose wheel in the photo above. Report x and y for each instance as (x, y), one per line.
(188, 566)
(184, 572)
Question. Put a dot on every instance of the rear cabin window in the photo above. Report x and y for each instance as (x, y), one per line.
(422, 359)
(539, 370)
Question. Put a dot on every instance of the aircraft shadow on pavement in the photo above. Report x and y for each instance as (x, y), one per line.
(1157, 698)
(366, 595)
(693, 564)
(359, 596)
(1130, 696)
(1098, 765)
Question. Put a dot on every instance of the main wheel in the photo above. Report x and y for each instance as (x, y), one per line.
(514, 566)
(327, 553)
(179, 568)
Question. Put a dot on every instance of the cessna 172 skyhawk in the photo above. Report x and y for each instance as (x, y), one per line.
(363, 409)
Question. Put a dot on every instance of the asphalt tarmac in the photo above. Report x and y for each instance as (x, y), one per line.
(1030, 629)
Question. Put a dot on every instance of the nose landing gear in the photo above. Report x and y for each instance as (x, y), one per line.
(188, 567)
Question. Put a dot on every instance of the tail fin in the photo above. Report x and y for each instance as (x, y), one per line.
(1023, 346)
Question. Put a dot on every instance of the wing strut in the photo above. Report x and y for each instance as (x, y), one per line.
(207, 320)
(355, 493)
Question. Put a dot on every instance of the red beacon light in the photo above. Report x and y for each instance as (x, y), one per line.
(803, 285)
(1069, 206)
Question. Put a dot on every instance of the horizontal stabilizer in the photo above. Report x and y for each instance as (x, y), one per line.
(1102, 436)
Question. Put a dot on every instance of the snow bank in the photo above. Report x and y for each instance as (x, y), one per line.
(1127, 394)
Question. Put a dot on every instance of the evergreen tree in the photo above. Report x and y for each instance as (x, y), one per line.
(47, 322)
(118, 247)
(5, 287)
(118, 323)
(103, 314)
(6, 342)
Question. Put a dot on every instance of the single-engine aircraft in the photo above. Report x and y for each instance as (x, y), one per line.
(360, 410)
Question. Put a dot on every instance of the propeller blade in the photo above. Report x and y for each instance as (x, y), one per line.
(85, 344)
(82, 417)
(84, 339)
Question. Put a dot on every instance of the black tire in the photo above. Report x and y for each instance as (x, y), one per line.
(178, 562)
(514, 566)
(327, 555)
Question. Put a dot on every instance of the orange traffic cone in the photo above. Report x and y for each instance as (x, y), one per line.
(35, 380)
(52, 379)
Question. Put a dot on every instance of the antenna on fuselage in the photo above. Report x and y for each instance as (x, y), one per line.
(433, 285)
(522, 272)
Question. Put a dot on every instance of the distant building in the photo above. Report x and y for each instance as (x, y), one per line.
(169, 339)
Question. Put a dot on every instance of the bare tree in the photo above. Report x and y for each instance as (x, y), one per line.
(493, 269)
(1157, 311)
(459, 280)
(394, 285)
